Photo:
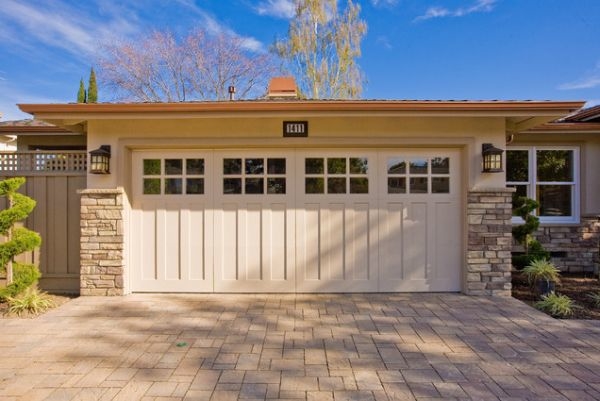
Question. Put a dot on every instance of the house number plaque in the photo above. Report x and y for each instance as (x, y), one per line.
(295, 129)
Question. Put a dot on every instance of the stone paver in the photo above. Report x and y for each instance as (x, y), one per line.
(298, 347)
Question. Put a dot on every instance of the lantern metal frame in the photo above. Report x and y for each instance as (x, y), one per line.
(100, 160)
(492, 158)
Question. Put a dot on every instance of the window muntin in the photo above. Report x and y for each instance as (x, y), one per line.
(173, 176)
(254, 176)
(336, 175)
(550, 176)
(420, 175)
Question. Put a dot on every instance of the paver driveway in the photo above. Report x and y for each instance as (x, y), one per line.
(305, 347)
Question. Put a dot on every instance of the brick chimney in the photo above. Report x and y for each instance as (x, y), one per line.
(282, 88)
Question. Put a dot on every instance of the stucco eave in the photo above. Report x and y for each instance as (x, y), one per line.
(507, 108)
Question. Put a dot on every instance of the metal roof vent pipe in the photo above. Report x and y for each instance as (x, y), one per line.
(231, 91)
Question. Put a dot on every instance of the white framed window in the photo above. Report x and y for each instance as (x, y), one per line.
(549, 175)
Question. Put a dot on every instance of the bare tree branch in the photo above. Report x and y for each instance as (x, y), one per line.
(198, 67)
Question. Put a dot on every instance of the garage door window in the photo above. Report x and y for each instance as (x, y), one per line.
(173, 176)
(418, 176)
(254, 176)
(336, 175)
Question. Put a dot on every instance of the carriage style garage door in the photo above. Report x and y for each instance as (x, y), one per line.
(296, 221)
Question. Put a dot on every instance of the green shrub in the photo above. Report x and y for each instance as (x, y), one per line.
(18, 239)
(31, 300)
(541, 269)
(595, 297)
(524, 208)
(556, 305)
(25, 275)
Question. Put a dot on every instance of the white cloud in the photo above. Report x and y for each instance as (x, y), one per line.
(58, 25)
(480, 6)
(384, 3)
(384, 41)
(54, 30)
(285, 9)
(590, 80)
(213, 26)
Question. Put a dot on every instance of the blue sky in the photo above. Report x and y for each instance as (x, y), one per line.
(414, 49)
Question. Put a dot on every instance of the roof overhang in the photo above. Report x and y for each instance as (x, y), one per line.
(519, 115)
(33, 130)
(566, 128)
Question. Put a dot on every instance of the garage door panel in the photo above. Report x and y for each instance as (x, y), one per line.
(226, 242)
(147, 226)
(274, 246)
(254, 218)
(391, 241)
(357, 243)
(333, 249)
(192, 236)
(169, 249)
(309, 242)
(250, 243)
(415, 244)
(337, 221)
(168, 244)
(420, 220)
(171, 237)
(253, 251)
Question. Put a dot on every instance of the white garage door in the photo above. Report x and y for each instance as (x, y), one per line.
(296, 221)
(420, 218)
(172, 222)
(253, 222)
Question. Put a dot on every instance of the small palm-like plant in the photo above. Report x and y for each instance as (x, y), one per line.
(541, 269)
(30, 300)
(556, 305)
(595, 297)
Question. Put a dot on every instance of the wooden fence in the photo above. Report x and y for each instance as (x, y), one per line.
(53, 179)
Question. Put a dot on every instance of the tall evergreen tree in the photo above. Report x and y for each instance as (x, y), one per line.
(81, 98)
(92, 95)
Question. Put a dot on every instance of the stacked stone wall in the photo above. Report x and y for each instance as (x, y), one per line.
(489, 242)
(574, 248)
(102, 242)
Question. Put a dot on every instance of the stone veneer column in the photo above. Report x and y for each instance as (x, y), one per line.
(489, 243)
(102, 242)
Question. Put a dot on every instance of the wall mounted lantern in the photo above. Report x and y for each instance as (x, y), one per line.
(492, 158)
(100, 160)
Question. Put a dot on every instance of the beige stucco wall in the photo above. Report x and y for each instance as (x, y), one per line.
(333, 131)
(589, 145)
(27, 142)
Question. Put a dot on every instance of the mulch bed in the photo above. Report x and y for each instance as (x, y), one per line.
(575, 286)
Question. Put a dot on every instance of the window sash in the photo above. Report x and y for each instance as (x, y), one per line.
(532, 184)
